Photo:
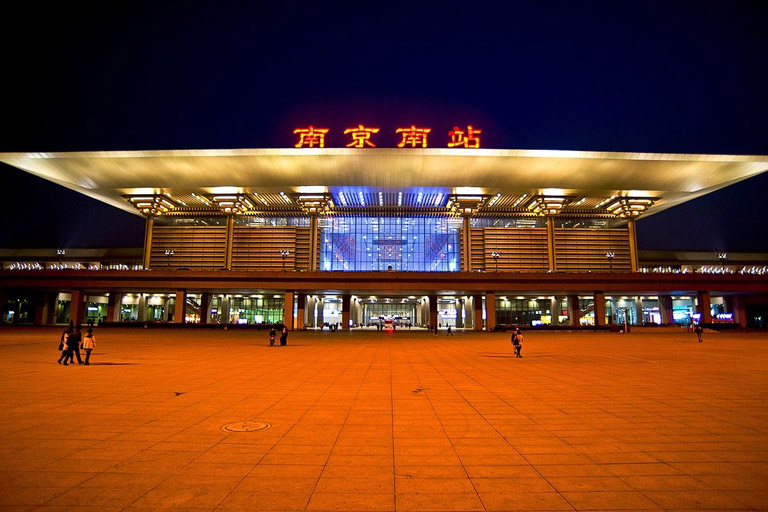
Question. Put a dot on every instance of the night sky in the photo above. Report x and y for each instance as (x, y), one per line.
(614, 76)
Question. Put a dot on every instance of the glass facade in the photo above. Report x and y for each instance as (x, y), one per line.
(248, 310)
(384, 243)
(401, 313)
(523, 311)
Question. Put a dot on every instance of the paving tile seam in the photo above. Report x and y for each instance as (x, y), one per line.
(301, 383)
(427, 395)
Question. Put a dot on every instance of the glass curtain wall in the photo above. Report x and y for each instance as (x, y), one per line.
(256, 310)
(384, 243)
(523, 311)
(400, 313)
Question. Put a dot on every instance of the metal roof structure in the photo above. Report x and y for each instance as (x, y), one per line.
(382, 180)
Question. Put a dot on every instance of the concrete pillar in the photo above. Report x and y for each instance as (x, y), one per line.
(703, 307)
(113, 306)
(599, 308)
(632, 233)
(345, 301)
(574, 311)
(477, 307)
(205, 308)
(459, 313)
(736, 306)
(180, 307)
(551, 262)
(225, 309)
(42, 306)
(665, 309)
(53, 301)
(357, 312)
(230, 242)
(320, 305)
(432, 310)
(554, 309)
(166, 308)
(148, 229)
(77, 307)
(288, 310)
(639, 311)
(3, 303)
(490, 311)
(141, 314)
(301, 308)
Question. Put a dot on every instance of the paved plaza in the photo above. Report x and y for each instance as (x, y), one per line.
(381, 421)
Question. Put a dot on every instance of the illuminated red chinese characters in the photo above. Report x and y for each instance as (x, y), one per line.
(310, 137)
(413, 136)
(361, 136)
(468, 139)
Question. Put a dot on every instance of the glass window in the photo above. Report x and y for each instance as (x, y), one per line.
(390, 243)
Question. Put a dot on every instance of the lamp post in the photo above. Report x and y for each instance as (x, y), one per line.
(284, 253)
(61, 253)
(168, 254)
(495, 255)
(610, 256)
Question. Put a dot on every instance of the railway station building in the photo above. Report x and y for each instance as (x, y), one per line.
(473, 238)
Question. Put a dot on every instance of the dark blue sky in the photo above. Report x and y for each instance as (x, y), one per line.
(609, 76)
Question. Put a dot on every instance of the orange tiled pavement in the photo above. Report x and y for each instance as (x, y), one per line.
(373, 421)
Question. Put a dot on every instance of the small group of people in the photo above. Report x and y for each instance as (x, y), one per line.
(283, 336)
(72, 341)
(517, 341)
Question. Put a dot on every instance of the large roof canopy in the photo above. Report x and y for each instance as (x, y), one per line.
(507, 181)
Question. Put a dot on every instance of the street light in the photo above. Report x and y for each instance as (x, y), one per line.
(61, 253)
(610, 256)
(284, 253)
(169, 253)
(722, 256)
(495, 255)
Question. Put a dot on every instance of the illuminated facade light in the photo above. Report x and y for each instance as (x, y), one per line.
(399, 199)
(439, 200)
(468, 204)
(629, 206)
(520, 200)
(381, 199)
(153, 205)
(413, 136)
(361, 197)
(233, 203)
(310, 137)
(494, 200)
(547, 205)
(316, 203)
(285, 197)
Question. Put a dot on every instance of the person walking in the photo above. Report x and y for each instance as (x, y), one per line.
(73, 347)
(698, 330)
(63, 348)
(518, 343)
(89, 343)
(284, 336)
(273, 334)
(449, 332)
